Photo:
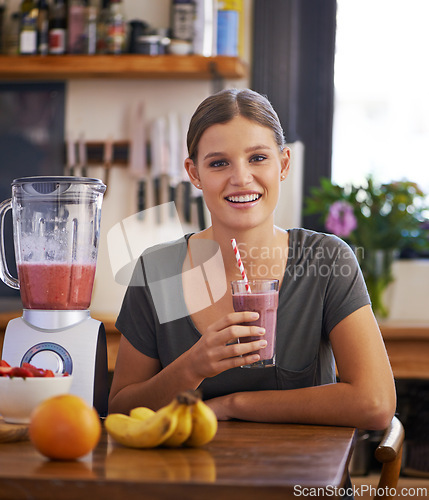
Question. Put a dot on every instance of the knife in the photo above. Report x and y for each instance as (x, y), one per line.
(186, 184)
(159, 167)
(108, 159)
(82, 155)
(71, 155)
(175, 167)
(138, 158)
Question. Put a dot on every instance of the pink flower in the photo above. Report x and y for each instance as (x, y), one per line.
(341, 219)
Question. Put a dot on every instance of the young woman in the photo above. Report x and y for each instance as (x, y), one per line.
(173, 339)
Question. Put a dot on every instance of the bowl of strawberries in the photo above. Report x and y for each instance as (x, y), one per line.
(23, 387)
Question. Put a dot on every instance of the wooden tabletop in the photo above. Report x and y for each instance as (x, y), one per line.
(245, 460)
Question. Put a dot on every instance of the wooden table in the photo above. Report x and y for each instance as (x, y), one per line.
(244, 461)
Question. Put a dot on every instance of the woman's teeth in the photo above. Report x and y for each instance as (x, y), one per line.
(243, 198)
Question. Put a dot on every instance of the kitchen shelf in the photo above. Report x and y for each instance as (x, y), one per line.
(120, 67)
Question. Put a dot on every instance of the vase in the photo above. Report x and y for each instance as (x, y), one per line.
(376, 265)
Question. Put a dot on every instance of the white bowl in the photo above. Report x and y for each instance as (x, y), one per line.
(19, 396)
(180, 47)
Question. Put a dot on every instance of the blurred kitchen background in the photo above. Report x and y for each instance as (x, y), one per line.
(347, 77)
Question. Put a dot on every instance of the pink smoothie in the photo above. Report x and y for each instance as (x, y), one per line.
(56, 286)
(264, 303)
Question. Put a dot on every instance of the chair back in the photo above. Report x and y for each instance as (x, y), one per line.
(389, 454)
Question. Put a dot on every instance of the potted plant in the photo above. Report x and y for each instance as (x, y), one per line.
(379, 221)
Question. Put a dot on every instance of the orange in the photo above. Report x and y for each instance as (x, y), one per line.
(64, 427)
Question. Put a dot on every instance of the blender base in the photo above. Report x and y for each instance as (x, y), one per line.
(63, 341)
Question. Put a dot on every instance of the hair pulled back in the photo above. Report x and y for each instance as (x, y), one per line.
(224, 106)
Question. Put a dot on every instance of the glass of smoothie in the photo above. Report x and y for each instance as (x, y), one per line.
(261, 296)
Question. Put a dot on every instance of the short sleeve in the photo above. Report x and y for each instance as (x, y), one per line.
(345, 289)
(136, 320)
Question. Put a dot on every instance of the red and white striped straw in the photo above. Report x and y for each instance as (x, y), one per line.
(240, 264)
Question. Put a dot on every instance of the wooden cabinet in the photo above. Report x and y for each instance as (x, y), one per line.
(120, 67)
(407, 344)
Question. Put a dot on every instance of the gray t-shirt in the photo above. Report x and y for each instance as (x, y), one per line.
(322, 285)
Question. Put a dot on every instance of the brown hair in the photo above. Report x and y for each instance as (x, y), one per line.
(224, 106)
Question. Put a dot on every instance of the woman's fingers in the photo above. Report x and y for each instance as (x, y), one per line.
(233, 326)
(229, 342)
(243, 348)
(234, 318)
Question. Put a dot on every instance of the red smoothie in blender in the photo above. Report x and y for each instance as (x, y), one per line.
(56, 286)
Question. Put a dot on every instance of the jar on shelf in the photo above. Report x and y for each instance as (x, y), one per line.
(116, 32)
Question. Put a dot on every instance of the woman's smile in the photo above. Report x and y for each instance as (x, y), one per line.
(248, 199)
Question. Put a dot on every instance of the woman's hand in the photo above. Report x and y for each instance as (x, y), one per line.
(220, 406)
(218, 349)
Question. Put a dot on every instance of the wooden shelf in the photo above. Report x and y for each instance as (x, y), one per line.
(120, 66)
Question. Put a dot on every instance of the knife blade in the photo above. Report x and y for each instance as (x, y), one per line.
(108, 159)
(174, 166)
(82, 155)
(138, 156)
(159, 166)
(71, 155)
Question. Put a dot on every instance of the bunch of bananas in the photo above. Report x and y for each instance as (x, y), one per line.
(187, 420)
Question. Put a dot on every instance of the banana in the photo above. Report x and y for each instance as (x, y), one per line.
(183, 428)
(186, 420)
(204, 424)
(142, 413)
(147, 433)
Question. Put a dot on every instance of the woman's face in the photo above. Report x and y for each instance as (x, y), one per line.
(239, 168)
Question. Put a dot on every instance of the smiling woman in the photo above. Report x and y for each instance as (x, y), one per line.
(238, 158)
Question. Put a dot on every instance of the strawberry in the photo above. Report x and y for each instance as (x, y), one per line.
(26, 370)
(37, 372)
(5, 370)
(18, 371)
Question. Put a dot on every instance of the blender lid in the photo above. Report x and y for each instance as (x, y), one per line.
(58, 184)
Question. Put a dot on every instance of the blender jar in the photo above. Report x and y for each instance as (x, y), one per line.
(56, 228)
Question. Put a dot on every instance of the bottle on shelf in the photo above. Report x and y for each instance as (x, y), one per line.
(182, 19)
(103, 27)
(91, 29)
(28, 28)
(230, 27)
(58, 27)
(76, 26)
(182, 26)
(116, 28)
(42, 27)
(205, 28)
(11, 34)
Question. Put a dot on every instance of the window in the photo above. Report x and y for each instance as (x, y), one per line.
(381, 111)
(31, 143)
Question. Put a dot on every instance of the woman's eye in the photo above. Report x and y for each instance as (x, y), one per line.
(257, 158)
(218, 163)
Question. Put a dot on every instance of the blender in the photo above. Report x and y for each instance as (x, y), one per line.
(56, 228)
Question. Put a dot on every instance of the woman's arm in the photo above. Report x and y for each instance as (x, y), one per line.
(365, 396)
(139, 381)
